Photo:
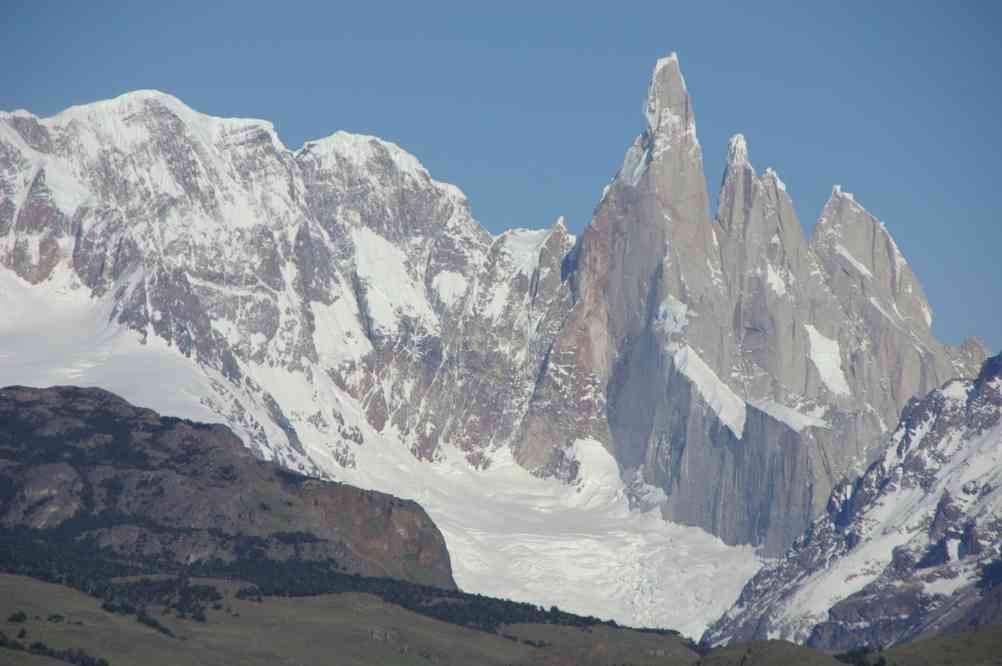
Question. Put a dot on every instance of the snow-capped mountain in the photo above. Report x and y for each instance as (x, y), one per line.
(344, 313)
(900, 551)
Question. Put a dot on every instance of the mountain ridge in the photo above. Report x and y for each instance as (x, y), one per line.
(903, 551)
(326, 300)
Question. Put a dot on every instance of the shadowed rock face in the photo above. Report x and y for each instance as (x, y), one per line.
(733, 365)
(187, 491)
(901, 552)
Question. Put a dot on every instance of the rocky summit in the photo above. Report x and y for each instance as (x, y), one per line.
(346, 316)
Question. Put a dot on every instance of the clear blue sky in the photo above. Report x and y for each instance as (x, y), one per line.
(530, 107)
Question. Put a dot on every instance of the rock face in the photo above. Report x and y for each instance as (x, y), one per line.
(902, 551)
(737, 366)
(736, 370)
(166, 488)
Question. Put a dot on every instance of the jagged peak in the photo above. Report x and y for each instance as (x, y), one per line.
(974, 345)
(560, 231)
(670, 60)
(737, 151)
(856, 239)
(839, 193)
(829, 213)
(667, 105)
(771, 174)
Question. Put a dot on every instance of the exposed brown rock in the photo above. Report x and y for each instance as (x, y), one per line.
(191, 491)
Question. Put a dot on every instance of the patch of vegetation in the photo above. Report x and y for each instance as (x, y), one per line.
(17, 617)
(56, 557)
(113, 489)
(293, 578)
(8, 490)
(250, 547)
(293, 538)
(290, 478)
(67, 556)
(108, 437)
(173, 594)
(226, 473)
(863, 656)
(70, 656)
(153, 623)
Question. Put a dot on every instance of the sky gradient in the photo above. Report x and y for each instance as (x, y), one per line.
(529, 107)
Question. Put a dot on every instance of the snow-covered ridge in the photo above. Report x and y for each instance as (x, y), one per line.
(345, 314)
(360, 149)
(919, 523)
(523, 245)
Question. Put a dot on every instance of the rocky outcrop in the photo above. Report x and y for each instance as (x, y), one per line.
(733, 367)
(161, 488)
(905, 550)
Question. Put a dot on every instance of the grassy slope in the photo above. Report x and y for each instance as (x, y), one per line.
(982, 647)
(767, 653)
(353, 628)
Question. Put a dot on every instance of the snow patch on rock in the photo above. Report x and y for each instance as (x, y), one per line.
(827, 358)
(853, 261)
(717, 395)
(450, 286)
(523, 246)
(797, 420)
(391, 291)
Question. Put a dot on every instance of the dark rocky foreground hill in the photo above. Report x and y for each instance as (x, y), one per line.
(88, 465)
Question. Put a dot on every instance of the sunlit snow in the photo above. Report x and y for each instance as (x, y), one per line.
(510, 534)
(827, 358)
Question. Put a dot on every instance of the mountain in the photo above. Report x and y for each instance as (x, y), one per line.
(662, 376)
(157, 488)
(909, 549)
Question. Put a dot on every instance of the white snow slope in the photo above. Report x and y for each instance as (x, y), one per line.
(509, 534)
